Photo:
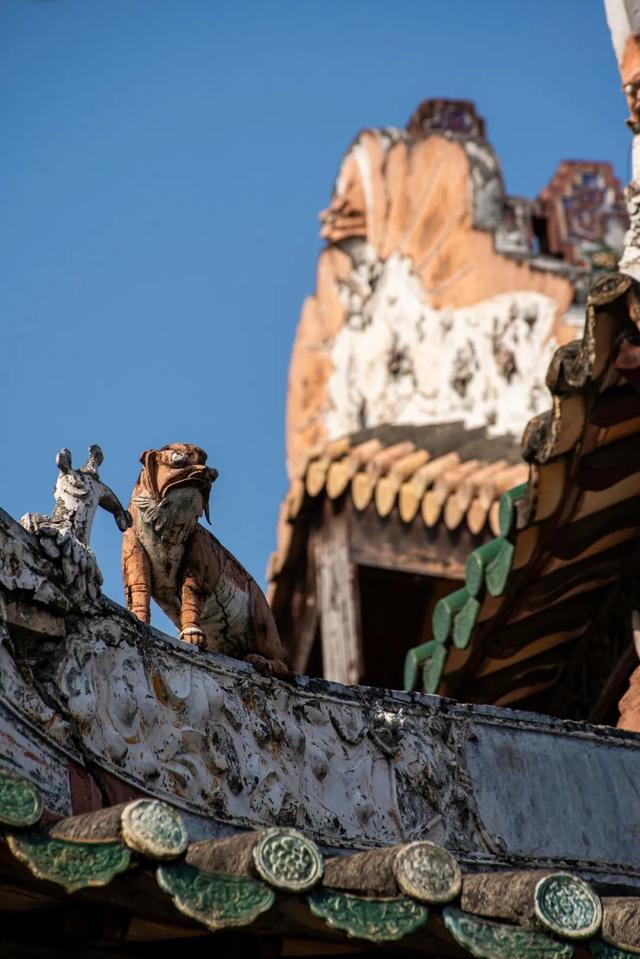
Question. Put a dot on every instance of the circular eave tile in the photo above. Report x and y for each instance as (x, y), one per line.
(20, 801)
(427, 872)
(568, 906)
(288, 860)
(154, 829)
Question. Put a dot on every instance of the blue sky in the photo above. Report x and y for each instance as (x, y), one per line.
(161, 170)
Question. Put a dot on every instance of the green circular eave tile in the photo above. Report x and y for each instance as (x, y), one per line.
(288, 860)
(493, 940)
(378, 920)
(217, 901)
(605, 950)
(74, 865)
(568, 906)
(154, 829)
(20, 801)
(427, 872)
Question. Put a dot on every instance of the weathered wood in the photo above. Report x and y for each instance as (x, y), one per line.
(338, 601)
(615, 405)
(556, 585)
(295, 498)
(567, 615)
(388, 543)
(305, 626)
(572, 539)
(609, 464)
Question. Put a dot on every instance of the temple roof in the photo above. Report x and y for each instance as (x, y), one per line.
(136, 861)
(538, 598)
(438, 296)
(428, 475)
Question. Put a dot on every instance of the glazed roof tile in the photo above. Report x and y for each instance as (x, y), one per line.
(136, 856)
(564, 537)
(424, 478)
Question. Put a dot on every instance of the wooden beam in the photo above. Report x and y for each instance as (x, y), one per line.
(305, 626)
(388, 543)
(338, 600)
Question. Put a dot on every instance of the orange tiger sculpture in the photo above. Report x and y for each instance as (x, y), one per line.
(201, 587)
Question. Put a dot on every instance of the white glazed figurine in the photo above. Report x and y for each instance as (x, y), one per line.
(66, 532)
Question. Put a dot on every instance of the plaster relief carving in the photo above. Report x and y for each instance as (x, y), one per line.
(436, 299)
(156, 716)
(398, 360)
(201, 587)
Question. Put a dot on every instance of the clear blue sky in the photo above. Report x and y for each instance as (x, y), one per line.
(162, 164)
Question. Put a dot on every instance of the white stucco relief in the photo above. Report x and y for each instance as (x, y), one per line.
(399, 360)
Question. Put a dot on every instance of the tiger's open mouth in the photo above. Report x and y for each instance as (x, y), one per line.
(166, 478)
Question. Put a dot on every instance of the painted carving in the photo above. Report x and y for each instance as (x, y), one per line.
(64, 535)
(288, 860)
(74, 865)
(217, 901)
(493, 940)
(431, 303)
(201, 587)
(585, 212)
(20, 801)
(604, 950)
(568, 906)
(154, 829)
(378, 920)
(217, 739)
(428, 872)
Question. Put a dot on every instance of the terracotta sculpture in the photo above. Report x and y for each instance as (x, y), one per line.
(201, 587)
(65, 534)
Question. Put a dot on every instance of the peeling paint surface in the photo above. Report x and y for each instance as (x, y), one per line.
(351, 767)
(222, 740)
(399, 360)
(22, 751)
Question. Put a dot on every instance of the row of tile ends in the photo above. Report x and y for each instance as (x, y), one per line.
(378, 895)
(436, 489)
